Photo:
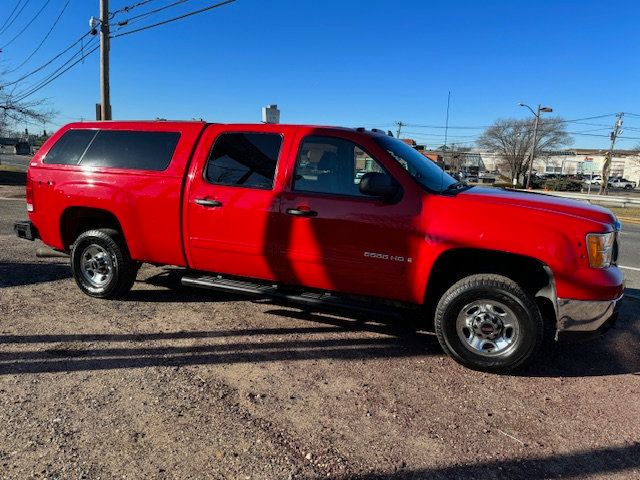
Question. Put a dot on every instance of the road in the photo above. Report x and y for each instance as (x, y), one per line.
(629, 259)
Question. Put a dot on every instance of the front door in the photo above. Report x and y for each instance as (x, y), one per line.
(337, 238)
(231, 205)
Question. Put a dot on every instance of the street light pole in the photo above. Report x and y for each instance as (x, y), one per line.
(535, 135)
(533, 148)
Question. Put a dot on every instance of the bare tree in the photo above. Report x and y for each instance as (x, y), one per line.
(512, 141)
(14, 111)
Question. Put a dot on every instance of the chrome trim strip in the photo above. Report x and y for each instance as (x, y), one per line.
(583, 315)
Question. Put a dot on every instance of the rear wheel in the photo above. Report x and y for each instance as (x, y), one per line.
(101, 264)
(487, 322)
(628, 186)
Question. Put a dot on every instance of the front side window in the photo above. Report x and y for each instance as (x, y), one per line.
(244, 159)
(332, 165)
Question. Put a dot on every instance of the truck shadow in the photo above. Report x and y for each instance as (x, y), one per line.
(16, 274)
(582, 464)
(325, 338)
(395, 337)
(69, 353)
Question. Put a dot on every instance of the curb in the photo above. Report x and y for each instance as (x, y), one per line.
(12, 168)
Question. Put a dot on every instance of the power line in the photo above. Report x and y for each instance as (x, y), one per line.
(421, 134)
(586, 118)
(164, 22)
(33, 72)
(43, 40)
(51, 79)
(70, 63)
(60, 68)
(136, 18)
(594, 129)
(128, 8)
(16, 17)
(10, 15)
(26, 26)
(483, 127)
(601, 135)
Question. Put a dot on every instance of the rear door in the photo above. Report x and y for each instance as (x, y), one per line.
(232, 203)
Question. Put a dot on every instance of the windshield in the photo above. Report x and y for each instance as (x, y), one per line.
(425, 171)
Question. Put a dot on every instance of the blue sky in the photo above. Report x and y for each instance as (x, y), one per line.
(353, 63)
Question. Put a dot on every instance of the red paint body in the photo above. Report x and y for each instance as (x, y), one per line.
(252, 236)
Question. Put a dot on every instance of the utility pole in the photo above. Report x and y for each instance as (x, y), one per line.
(606, 167)
(446, 123)
(105, 96)
(400, 125)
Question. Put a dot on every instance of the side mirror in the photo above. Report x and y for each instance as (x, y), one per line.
(377, 184)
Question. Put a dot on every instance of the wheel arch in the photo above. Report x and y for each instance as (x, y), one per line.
(533, 275)
(76, 220)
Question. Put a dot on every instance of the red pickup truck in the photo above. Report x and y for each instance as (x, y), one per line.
(325, 216)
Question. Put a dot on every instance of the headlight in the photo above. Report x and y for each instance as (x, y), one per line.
(600, 249)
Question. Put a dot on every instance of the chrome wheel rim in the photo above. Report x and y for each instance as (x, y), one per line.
(488, 328)
(96, 266)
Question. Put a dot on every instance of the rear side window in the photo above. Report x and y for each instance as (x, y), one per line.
(133, 150)
(244, 159)
(114, 148)
(69, 148)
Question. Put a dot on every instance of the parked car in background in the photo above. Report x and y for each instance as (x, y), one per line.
(622, 183)
(595, 180)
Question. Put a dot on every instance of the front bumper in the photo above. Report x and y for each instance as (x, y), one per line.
(584, 315)
(26, 230)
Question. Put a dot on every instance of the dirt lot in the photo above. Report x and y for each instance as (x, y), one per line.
(174, 383)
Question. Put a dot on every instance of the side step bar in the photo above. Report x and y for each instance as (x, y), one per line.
(315, 299)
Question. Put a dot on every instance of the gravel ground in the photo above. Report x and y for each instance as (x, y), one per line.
(175, 383)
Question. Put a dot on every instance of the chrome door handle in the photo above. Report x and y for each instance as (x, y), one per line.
(205, 202)
(301, 213)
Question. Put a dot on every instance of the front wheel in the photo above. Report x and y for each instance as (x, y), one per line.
(101, 264)
(487, 322)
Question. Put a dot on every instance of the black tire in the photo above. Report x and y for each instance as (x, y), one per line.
(111, 247)
(501, 291)
(628, 187)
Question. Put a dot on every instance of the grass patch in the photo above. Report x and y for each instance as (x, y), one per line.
(627, 212)
(11, 168)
